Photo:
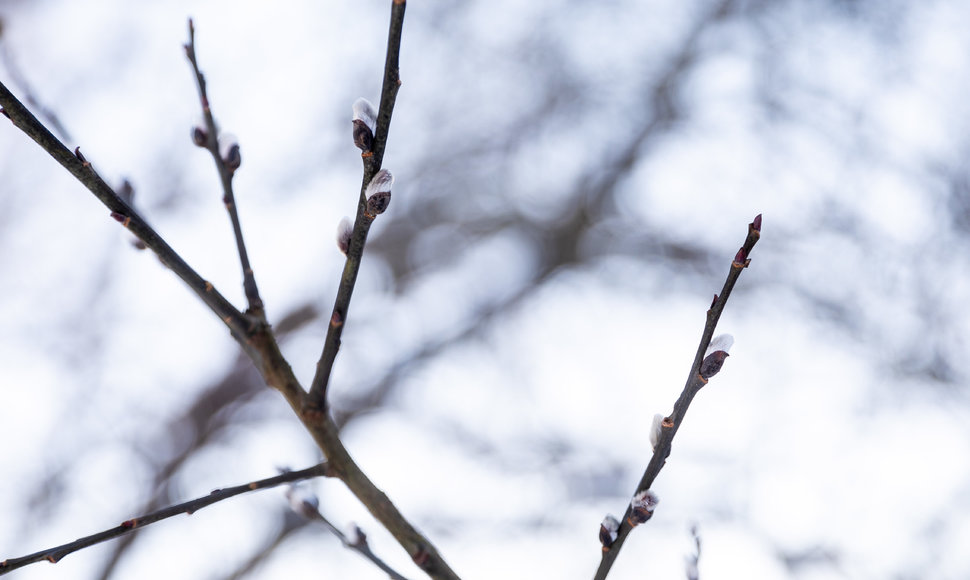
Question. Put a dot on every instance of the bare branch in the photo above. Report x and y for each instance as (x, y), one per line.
(307, 505)
(54, 555)
(695, 381)
(227, 159)
(239, 324)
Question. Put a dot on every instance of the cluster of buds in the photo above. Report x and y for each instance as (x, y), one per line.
(714, 357)
(365, 125)
(641, 507)
(378, 193)
(608, 530)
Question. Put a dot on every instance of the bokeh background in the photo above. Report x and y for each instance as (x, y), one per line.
(573, 179)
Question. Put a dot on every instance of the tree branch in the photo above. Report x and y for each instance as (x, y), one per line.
(226, 166)
(372, 164)
(695, 381)
(54, 555)
(254, 335)
(239, 324)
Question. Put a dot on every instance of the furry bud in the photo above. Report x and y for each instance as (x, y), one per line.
(608, 531)
(378, 192)
(715, 355)
(642, 506)
(344, 230)
(365, 124)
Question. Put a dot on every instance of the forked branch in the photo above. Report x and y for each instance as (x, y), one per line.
(227, 158)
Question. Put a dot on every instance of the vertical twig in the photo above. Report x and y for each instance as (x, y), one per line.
(372, 164)
(226, 168)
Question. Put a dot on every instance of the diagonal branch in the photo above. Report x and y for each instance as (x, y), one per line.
(372, 164)
(695, 381)
(54, 555)
(239, 324)
(226, 168)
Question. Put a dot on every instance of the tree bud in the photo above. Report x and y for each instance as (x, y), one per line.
(715, 355)
(608, 531)
(229, 151)
(344, 230)
(378, 192)
(365, 124)
(642, 506)
(199, 136)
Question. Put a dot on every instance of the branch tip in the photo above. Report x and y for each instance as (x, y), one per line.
(756, 224)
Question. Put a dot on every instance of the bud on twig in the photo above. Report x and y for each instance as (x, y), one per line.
(344, 230)
(355, 536)
(365, 124)
(655, 430)
(303, 502)
(715, 355)
(378, 192)
(608, 530)
(229, 151)
(756, 224)
(739, 258)
(199, 136)
(642, 506)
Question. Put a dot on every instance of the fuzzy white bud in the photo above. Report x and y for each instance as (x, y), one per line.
(720, 342)
(303, 501)
(378, 192)
(344, 230)
(642, 504)
(655, 430)
(364, 111)
(608, 531)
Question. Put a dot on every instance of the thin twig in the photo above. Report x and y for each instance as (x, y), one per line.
(20, 80)
(359, 544)
(55, 554)
(372, 164)
(225, 176)
(238, 323)
(695, 381)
